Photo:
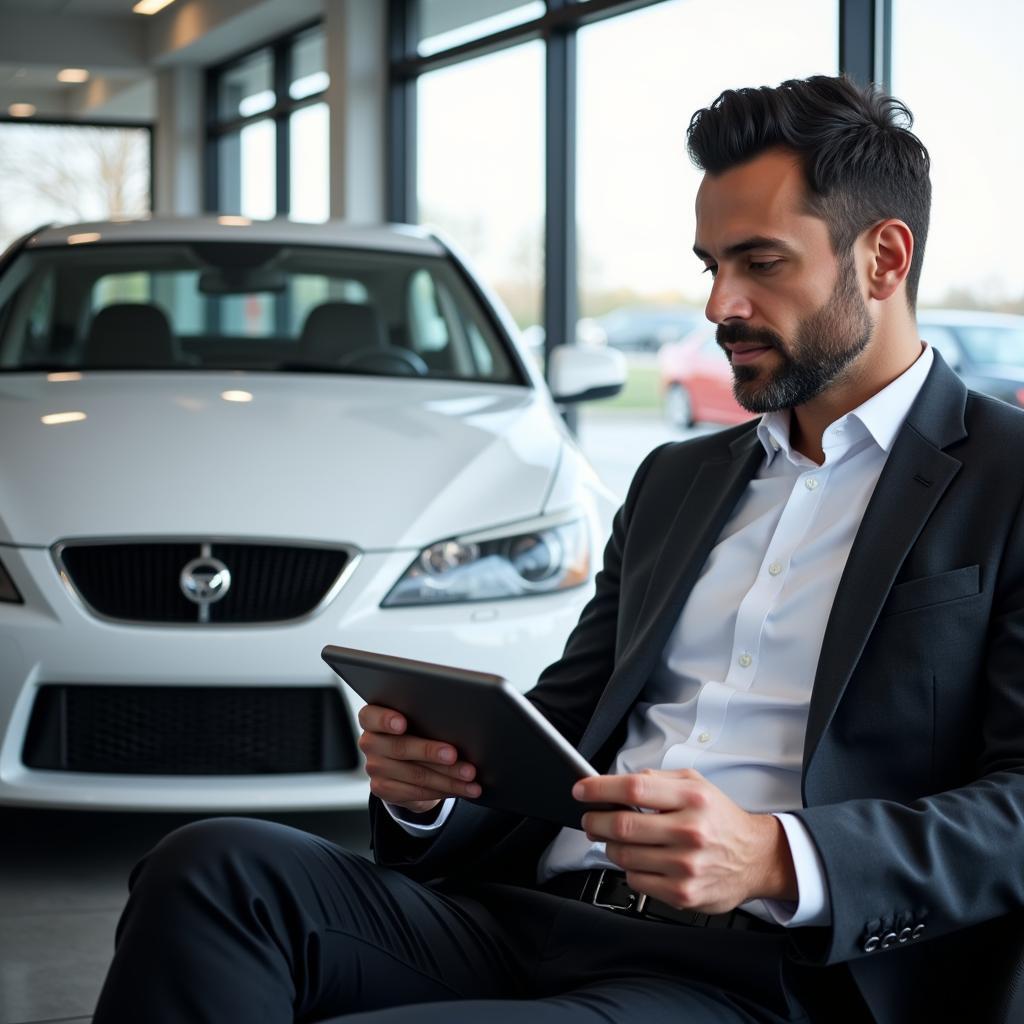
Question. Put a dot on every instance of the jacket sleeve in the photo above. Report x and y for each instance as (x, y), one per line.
(566, 694)
(920, 870)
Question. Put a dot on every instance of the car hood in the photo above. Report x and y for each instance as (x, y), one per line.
(379, 463)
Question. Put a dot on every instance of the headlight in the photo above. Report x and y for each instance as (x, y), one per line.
(8, 591)
(485, 567)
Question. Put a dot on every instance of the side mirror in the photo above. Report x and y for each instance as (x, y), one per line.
(585, 374)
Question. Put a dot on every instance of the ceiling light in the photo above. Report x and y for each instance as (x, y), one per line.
(54, 418)
(73, 75)
(84, 238)
(21, 109)
(151, 6)
(236, 396)
(234, 221)
(56, 378)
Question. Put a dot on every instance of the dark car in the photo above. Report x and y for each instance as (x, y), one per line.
(647, 328)
(986, 349)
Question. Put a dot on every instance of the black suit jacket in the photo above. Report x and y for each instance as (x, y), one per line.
(913, 768)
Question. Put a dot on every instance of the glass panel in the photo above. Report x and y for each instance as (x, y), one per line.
(245, 306)
(448, 23)
(640, 284)
(67, 173)
(248, 171)
(970, 123)
(481, 167)
(310, 162)
(309, 65)
(246, 88)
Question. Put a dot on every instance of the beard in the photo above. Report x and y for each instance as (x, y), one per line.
(826, 343)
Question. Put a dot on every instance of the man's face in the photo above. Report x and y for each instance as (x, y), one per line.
(790, 316)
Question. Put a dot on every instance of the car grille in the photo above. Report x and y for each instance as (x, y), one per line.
(141, 581)
(189, 730)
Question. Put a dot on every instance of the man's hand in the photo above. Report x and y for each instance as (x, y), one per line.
(409, 771)
(701, 852)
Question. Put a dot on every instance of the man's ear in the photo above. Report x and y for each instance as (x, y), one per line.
(890, 248)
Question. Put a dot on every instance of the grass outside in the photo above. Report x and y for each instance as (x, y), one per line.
(642, 392)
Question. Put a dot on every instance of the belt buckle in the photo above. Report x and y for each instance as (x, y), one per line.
(633, 904)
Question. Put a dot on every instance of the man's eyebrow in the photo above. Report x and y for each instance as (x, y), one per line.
(755, 242)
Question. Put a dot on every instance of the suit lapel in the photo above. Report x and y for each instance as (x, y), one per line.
(702, 513)
(912, 482)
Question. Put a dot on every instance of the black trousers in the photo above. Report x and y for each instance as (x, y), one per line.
(239, 921)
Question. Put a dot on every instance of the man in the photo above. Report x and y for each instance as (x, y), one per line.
(804, 651)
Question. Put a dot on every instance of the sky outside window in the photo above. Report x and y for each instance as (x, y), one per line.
(966, 107)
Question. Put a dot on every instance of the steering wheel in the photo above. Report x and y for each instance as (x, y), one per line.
(387, 359)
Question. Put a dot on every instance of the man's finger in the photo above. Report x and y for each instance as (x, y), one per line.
(629, 827)
(375, 718)
(415, 773)
(653, 790)
(654, 860)
(408, 748)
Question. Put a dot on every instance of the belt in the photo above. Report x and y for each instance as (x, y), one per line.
(605, 888)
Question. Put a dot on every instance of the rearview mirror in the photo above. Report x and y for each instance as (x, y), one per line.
(585, 374)
(241, 281)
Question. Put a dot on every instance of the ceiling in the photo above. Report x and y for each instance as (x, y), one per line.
(84, 7)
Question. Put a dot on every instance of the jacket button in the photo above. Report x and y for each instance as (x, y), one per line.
(872, 944)
(888, 940)
(916, 934)
(905, 935)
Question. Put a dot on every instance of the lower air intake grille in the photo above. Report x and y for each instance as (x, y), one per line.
(185, 730)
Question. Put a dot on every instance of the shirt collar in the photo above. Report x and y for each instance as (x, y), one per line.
(882, 414)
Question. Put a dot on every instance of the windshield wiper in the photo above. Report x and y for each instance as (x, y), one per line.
(311, 368)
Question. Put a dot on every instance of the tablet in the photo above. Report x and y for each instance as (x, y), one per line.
(524, 764)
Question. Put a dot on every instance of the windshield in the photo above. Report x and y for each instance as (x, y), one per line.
(994, 344)
(245, 306)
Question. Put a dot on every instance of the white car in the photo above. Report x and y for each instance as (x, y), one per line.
(227, 444)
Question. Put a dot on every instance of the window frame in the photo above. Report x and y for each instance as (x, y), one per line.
(217, 128)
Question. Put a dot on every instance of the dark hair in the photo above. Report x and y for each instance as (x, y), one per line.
(861, 161)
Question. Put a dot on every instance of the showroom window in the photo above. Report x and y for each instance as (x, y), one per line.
(61, 173)
(640, 285)
(485, 187)
(547, 139)
(267, 131)
(971, 125)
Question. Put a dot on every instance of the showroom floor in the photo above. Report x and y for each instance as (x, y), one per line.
(62, 886)
(63, 874)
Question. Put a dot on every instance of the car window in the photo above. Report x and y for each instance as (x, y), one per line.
(711, 347)
(943, 340)
(994, 344)
(246, 306)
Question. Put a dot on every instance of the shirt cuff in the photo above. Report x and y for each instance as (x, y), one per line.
(812, 906)
(418, 829)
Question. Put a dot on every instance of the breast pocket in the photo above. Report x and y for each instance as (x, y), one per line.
(932, 590)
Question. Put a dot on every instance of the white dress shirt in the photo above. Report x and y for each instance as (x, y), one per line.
(731, 692)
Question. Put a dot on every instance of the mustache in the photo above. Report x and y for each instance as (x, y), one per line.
(728, 334)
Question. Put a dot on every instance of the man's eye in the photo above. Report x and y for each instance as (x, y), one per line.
(761, 268)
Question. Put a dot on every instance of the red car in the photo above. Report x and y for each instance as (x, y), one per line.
(696, 381)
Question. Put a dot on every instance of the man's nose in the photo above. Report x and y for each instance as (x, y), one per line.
(727, 300)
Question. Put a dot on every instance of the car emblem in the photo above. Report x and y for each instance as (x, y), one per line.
(204, 581)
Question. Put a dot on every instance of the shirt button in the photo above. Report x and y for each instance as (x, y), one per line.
(775, 568)
(704, 737)
(811, 483)
(745, 660)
